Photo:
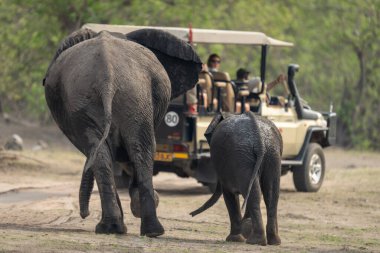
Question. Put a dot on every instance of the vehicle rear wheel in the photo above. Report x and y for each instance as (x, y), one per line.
(309, 176)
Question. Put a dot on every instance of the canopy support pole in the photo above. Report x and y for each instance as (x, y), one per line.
(264, 50)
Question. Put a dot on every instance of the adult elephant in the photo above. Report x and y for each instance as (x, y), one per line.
(108, 92)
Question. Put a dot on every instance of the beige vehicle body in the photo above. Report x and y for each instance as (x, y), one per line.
(181, 145)
(293, 130)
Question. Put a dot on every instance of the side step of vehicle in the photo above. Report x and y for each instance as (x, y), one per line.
(291, 162)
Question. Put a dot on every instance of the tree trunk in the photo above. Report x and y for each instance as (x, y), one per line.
(1, 108)
(362, 76)
(343, 124)
(358, 93)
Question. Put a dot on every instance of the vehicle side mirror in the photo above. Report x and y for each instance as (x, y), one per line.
(292, 69)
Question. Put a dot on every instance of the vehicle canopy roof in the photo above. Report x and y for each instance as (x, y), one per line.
(206, 36)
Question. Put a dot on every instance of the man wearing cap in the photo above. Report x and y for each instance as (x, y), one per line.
(242, 75)
(254, 85)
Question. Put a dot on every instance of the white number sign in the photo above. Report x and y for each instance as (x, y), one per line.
(171, 119)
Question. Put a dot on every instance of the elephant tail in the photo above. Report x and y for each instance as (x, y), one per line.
(255, 172)
(259, 152)
(86, 186)
(107, 105)
(214, 198)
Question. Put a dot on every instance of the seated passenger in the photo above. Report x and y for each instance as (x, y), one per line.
(213, 63)
(227, 93)
(254, 84)
(244, 84)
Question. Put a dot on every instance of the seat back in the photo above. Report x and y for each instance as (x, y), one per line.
(222, 80)
(205, 82)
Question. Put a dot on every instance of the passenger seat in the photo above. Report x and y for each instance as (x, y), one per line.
(222, 80)
(205, 82)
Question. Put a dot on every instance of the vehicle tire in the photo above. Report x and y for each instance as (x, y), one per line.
(309, 176)
(122, 181)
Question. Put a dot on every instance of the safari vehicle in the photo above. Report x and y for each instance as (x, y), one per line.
(181, 146)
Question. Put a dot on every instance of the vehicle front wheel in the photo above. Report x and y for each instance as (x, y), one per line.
(309, 176)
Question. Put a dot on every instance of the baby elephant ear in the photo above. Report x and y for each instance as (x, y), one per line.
(178, 57)
(210, 130)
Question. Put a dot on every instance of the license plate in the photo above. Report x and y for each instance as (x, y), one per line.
(163, 157)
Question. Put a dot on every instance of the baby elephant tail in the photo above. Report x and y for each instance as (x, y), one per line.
(214, 198)
(259, 151)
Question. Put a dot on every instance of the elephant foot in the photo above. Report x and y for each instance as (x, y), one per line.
(135, 202)
(235, 238)
(273, 239)
(111, 227)
(257, 239)
(151, 227)
(84, 214)
(246, 227)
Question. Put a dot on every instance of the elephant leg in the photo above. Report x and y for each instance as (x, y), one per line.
(112, 214)
(232, 203)
(135, 201)
(143, 165)
(246, 224)
(134, 195)
(120, 207)
(270, 185)
(257, 235)
(246, 214)
(137, 134)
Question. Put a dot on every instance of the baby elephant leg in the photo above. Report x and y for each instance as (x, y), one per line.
(271, 188)
(232, 203)
(257, 235)
(246, 224)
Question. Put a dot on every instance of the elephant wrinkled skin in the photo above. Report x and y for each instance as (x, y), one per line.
(246, 151)
(107, 94)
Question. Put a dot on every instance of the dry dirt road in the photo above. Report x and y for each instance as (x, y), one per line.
(39, 209)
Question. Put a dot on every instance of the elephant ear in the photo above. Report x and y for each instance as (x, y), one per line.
(178, 57)
(211, 128)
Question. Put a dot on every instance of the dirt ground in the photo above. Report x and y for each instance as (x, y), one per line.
(39, 206)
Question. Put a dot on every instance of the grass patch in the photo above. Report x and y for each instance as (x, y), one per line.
(331, 239)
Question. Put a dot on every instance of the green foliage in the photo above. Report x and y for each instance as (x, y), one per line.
(336, 44)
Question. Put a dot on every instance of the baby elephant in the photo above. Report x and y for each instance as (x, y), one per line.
(246, 153)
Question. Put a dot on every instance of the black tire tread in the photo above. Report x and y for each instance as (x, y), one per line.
(300, 173)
